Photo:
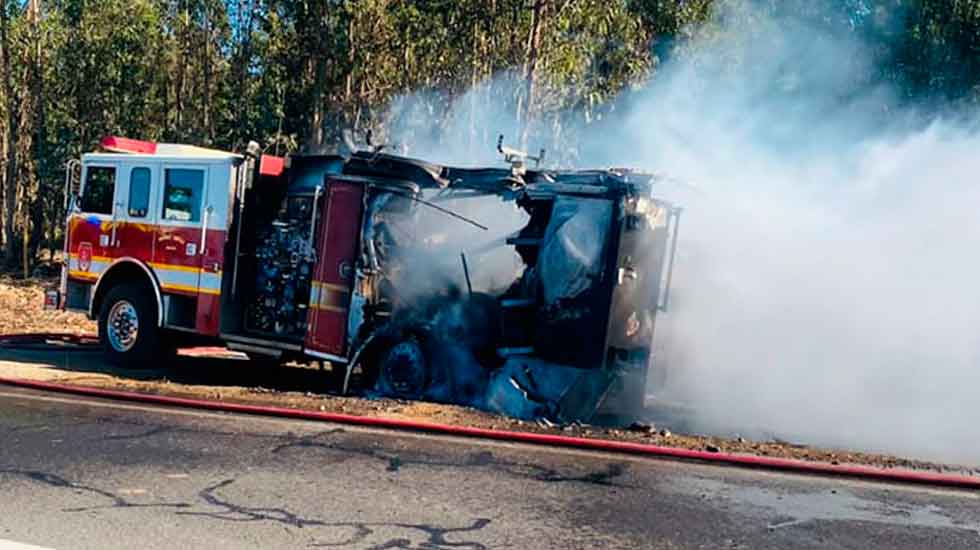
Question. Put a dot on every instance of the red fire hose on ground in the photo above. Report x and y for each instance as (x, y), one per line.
(69, 341)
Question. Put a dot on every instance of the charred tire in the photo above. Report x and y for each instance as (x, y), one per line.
(403, 368)
(127, 327)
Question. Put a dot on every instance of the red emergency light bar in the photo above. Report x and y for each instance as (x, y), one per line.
(271, 166)
(115, 144)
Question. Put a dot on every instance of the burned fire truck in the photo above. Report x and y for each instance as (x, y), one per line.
(326, 258)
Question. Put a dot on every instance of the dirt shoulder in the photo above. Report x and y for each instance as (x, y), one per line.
(21, 309)
(218, 375)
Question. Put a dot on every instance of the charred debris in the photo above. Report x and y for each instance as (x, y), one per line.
(516, 289)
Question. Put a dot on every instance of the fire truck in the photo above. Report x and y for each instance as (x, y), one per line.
(316, 258)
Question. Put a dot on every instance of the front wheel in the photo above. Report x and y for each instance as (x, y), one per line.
(127, 326)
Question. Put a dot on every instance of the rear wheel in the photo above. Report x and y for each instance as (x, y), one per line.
(127, 326)
(404, 369)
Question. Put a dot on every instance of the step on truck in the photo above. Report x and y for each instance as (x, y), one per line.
(375, 264)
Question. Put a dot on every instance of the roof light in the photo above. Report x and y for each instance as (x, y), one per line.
(271, 166)
(114, 144)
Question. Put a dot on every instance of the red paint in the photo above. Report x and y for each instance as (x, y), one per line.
(339, 239)
(786, 465)
(272, 166)
(208, 314)
(133, 240)
(170, 251)
(162, 245)
(173, 244)
(116, 144)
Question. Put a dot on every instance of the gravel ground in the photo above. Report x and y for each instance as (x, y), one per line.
(212, 374)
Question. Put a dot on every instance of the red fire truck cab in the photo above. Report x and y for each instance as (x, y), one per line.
(154, 250)
(325, 258)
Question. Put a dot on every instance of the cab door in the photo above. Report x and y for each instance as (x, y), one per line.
(135, 214)
(182, 215)
(92, 226)
(333, 276)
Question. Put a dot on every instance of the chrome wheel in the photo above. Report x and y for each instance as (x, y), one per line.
(122, 326)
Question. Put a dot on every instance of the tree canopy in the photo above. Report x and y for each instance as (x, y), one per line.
(294, 74)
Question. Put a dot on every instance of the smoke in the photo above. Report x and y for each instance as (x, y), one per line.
(826, 285)
(826, 288)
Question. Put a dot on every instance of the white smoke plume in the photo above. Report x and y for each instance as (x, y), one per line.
(826, 287)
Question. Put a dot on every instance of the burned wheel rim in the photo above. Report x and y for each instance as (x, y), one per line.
(404, 369)
(122, 326)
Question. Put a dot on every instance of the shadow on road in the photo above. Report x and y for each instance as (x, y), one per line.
(195, 366)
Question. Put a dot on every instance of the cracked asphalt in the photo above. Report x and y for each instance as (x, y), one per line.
(78, 473)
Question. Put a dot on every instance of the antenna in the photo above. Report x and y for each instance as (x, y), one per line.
(517, 158)
(369, 139)
(348, 138)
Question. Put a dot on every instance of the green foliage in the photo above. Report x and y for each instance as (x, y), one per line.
(293, 74)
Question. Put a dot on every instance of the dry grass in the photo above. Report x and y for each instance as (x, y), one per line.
(22, 309)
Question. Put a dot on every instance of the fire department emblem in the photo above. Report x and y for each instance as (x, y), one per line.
(84, 256)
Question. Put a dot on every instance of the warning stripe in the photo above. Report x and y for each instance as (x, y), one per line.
(329, 297)
(87, 275)
(174, 278)
(173, 267)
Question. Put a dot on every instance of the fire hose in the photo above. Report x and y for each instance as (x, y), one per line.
(75, 342)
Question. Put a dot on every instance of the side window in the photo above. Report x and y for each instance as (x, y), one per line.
(182, 195)
(100, 186)
(139, 192)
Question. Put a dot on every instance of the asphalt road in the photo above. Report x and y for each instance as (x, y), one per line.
(89, 474)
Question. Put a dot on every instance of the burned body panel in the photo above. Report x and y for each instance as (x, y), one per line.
(528, 292)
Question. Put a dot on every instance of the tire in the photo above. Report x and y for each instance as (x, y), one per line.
(128, 327)
(403, 369)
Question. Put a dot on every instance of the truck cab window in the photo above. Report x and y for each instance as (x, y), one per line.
(182, 195)
(100, 186)
(139, 192)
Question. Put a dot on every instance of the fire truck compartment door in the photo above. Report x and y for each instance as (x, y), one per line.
(333, 277)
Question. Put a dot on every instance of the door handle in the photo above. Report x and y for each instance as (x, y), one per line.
(202, 250)
(115, 210)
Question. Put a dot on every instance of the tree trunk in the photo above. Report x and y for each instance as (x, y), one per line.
(318, 68)
(208, 76)
(244, 60)
(40, 134)
(181, 35)
(10, 144)
(315, 142)
(538, 14)
(354, 111)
